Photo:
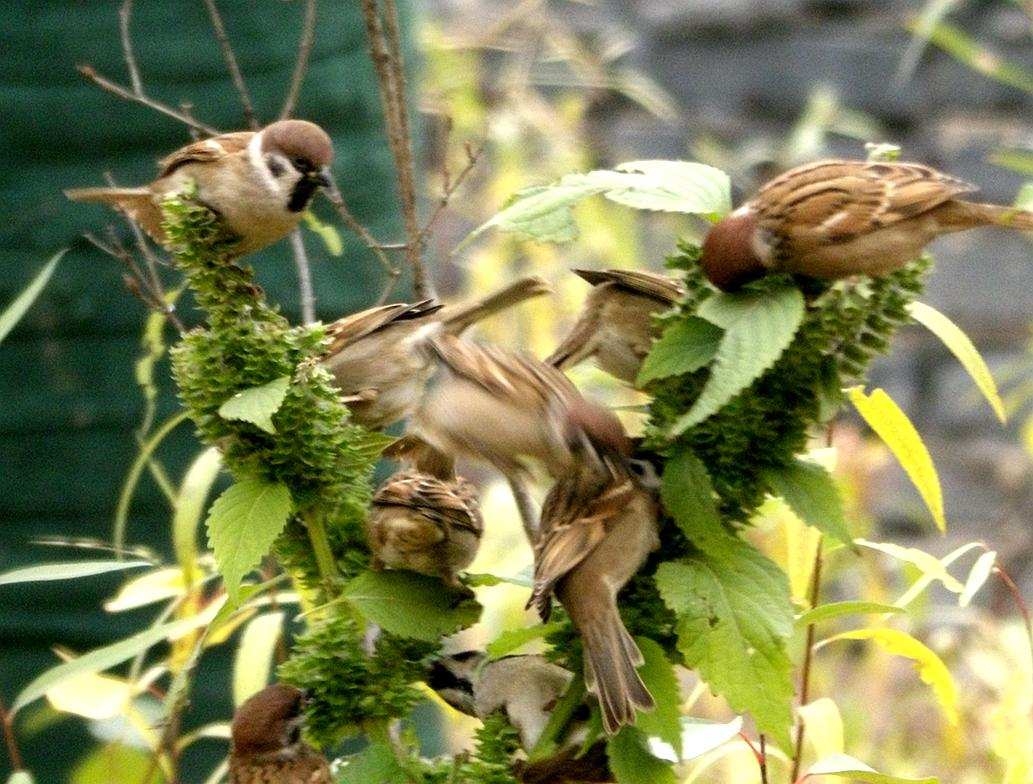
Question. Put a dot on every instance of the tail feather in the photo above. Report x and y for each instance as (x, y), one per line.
(459, 318)
(611, 661)
(959, 215)
(137, 204)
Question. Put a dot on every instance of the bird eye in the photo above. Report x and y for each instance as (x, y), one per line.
(301, 164)
(275, 167)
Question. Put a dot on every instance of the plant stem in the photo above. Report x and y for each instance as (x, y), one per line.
(324, 554)
(762, 760)
(12, 742)
(805, 673)
(307, 295)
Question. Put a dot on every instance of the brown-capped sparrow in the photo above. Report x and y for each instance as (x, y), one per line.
(616, 323)
(525, 689)
(260, 182)
(599, 523)
(266, 741)
(833, 219)
(379, 359)
(425, 524)
(502, 406)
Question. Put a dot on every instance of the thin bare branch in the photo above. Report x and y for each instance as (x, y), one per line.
(808, 656)
(231, 64)
(90, 73)
(308, 37)
(188, 111)
(12, 742)
(450, 187)
(308, 297)
(333, 194)
(125, 14)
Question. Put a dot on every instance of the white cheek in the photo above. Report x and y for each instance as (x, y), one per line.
(257, 160)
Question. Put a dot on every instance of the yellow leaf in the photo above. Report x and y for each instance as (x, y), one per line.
(147, 589)
(981, 571)
(927, 578)
(1027, 435)
(790, 542)
(91, 696)
(255, 655)
(931, 668)
(928, 564)
(891, 424)
(824, 733)
(961, 347)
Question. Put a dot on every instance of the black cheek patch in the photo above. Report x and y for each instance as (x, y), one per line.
(302, 194)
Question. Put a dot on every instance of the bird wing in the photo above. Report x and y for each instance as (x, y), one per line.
(206, 151)
(347, 329)
(452, 502)
(662, 288)
(843, 199)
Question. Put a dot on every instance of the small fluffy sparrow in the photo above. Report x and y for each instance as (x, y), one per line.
(616, 323)
(259, 182)
(833, 219)
(501, 406)
(426, 525)
(378, 357)
(267, 746)
(599, 523)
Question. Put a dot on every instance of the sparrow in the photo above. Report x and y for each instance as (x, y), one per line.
(833, 219)
(500, 407)
(525, 689)
(616, 324)
(266, 741)
(425, 524)
(379, 357)
(599, 523)
(259, 182)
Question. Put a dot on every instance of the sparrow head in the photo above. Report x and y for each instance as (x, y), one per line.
(297, 154)
(600, 427)
(730, 255)
(268, 721)
(453, 678)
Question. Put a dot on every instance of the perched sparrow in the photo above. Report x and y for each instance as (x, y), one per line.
(525, 689)
(833, 219)
(501, 406)
(267, 746)
(379, 359)
(259, 182)
(616, 324)
(425, 524)
(599, 522)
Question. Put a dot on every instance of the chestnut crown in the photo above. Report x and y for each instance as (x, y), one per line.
(300, 142)
(268, 720)
(729, 256)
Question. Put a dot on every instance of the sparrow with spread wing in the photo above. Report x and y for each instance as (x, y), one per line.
(599, 523)
(425, 524)
(259, 182)
(833, 219)
(616, 325)
(379, 359)
(267, 747)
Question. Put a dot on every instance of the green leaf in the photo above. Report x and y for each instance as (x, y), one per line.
(672, 186)
(21, 777)
(758, 326)
(190, 500)
(13, 313)
(931, 668)
(254, 657)
(827, 612)
(960, 346)
(632, 763)
(980, 573)
(685, 346)
(258, 404)
(700, 737)
(735, 615)
(895, 429)
(110, 655)
(515, 639)
(410, 605)
(542, 213)
(117, 762)
(327, 233)
(688, 496)
(67, 571)
(812, 493)
(242, 525)
(375, 764)
(657, 672)
(848, 767)
(1024, 198)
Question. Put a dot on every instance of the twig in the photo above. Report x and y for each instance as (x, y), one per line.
(449, 189)
(89, 72)
(333, 194)
(308, 37)
(763, 760)
(12, 742)
(808, 653)
(125, 14)
(231, 64)
(385, 52)
(308, 297)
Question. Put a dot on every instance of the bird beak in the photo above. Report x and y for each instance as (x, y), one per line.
(321, 178)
